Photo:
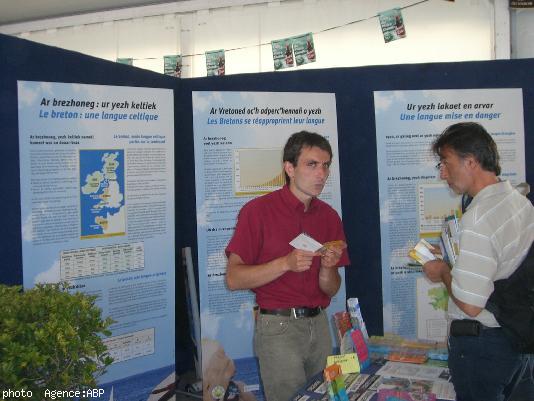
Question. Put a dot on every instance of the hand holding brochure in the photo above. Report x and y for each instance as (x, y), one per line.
(422, 252)
(306, 243)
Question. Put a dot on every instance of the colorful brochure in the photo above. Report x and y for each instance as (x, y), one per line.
(422, 252)
(396, 395)
(449, 239)
(335, 383)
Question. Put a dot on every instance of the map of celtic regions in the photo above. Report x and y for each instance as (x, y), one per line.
(102, 193)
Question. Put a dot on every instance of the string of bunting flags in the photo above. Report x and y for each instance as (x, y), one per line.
(287, 52)
(299, 50)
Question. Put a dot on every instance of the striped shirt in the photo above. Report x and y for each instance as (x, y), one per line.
(495, 235)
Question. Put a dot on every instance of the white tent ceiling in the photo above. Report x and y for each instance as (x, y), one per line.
(17, 11)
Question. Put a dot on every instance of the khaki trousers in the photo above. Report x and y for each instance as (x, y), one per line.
(290, 351)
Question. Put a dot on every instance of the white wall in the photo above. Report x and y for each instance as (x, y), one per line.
(437, 31)
(522, 27)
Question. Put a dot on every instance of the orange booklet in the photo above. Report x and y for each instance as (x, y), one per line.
(340, 244)
(406, 357)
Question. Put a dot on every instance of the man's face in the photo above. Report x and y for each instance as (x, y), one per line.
(308, 177)
(455, 170)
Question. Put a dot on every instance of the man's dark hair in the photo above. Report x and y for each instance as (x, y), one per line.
(470, 139)
(303, 139)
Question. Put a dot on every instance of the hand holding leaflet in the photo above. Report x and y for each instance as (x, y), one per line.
(330, 252)
(422, 252)
(306, 243)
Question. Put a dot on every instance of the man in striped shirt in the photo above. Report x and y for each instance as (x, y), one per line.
(495, 234)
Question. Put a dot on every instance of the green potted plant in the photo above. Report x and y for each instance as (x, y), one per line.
(50, 339)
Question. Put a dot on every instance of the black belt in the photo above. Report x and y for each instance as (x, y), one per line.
(468, 327)
(295, 312)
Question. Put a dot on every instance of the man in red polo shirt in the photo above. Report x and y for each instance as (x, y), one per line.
(293, 287)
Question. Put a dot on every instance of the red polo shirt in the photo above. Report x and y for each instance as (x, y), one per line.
(266, 225)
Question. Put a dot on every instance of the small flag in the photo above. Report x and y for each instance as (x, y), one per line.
(215, 62)
(282, 53)
(304, 49)
(127, 61)
(392, 24)
(172, 65)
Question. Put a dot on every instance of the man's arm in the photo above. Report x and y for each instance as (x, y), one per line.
(329, 278)
(217, 369)
(240, 276)
(438, 271)
(329, 281)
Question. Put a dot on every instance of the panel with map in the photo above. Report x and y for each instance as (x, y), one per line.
(257, 171)
(431, 311)
(102, 200)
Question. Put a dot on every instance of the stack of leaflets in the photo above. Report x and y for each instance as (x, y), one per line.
(356, 318)
(361, 347)
(351, 339)
(408, 356)
(422, 252)
(449, 239)
(396, 395)
(342, 324)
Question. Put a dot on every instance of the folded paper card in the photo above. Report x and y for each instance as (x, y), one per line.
(348, 362)
(305, 243)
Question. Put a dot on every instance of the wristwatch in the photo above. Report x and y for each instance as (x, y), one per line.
(217, 392)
